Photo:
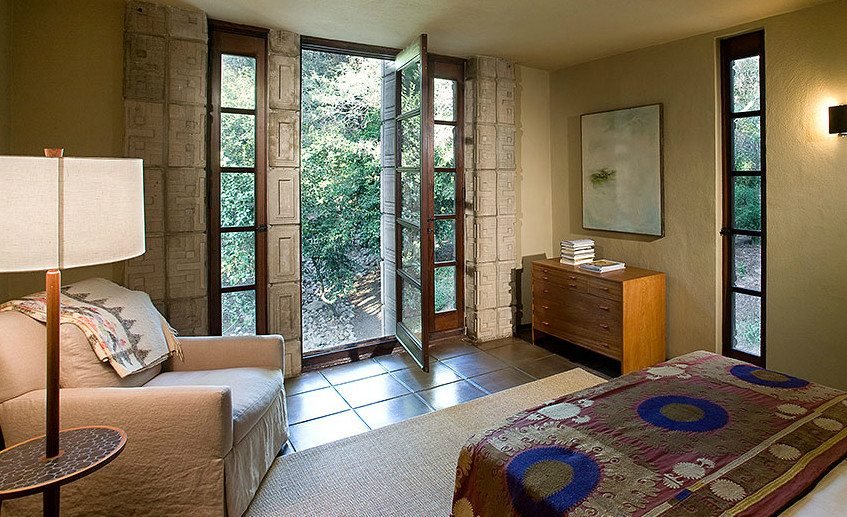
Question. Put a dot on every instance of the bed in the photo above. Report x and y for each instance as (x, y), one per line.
(698, 435)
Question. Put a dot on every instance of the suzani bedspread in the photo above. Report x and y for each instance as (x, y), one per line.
(699, 435)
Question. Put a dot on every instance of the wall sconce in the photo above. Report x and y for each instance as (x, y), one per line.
(838, 120)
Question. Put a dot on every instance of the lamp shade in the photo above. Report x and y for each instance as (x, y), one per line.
(69, 212)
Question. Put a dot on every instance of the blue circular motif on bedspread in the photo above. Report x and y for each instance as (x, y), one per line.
(681, 413)
(550, 480)
(762, 377)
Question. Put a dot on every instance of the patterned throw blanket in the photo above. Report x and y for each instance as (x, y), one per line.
(122, 326)
(699, 435)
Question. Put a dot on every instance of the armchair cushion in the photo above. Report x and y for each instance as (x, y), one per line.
(218, 352)
(253, 391)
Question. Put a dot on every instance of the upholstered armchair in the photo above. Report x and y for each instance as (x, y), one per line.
(202, 432)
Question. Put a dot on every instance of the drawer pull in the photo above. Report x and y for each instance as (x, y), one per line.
(604, 308)
(545, 323)
(572, 285)
(604, 326)
(604, 289)
(604, 345)
(545, 307)
(545, 278)
(572, 277)
(546, 291)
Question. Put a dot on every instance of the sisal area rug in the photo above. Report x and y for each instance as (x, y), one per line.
(403, 469)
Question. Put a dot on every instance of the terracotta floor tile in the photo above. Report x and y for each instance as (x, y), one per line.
(324, 430)
(372, 389)
(305, 382)
(352, 371)
(471, 365)
(392, 411)
(451, 394)
(500, 380)
(314, 404)
(546, 366)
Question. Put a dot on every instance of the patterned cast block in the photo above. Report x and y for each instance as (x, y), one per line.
(147, 272)
(485, 195)
(470, 103)
(506, 147)
(186, 194)
(504, 322)
(283, 195)
(284, 315)
(283, 82)
(389, 144)
(186, 136)
(144, 62)
(387, 232)
(293, 358)
(469, 146)
(284, 42)
(186, 270)
(470, 293)
(485, 67)
(506, 240)
(389, 95)
(486, 147)
(387, 180)
(486, 286)
(486, 101)
(470, 226)
(485, 324)
(284, 138)
(154, 201)
(505, 101)
(144, 124)
(505, 70)
(284, 253)
(504, 283)
(470, 189)
(187, 24)
(189, 316)
(145, 17)
(187, 67)
(506, 196)
(485, 236)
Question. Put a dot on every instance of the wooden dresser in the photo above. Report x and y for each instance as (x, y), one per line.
(620, 314)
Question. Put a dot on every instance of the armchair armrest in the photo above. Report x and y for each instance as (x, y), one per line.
(158, 419)
(217, 352)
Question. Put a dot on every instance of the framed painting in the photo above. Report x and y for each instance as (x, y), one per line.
(622, 171)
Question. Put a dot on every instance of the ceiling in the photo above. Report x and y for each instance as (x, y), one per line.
(549, 34)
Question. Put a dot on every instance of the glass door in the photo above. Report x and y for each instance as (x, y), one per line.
(414, 215)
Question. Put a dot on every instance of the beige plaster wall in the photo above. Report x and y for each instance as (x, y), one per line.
(534, 199)
(807, 183)
(66, 91)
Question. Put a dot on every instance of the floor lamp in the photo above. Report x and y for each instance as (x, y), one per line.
(58, 213)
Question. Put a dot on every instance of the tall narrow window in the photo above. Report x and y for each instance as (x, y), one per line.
(238, 168)
(743, 232)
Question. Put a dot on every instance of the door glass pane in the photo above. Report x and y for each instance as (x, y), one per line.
(445, 99)
(445, 288)
(747, 199)
(445, 193)
(238, 140)
(238, 199)
(745, 84)
(410, 93)
(238, 313)
(445, 240)
(410, 196)
(445, 154)
(411, 251)
(747, 257)
(747, 329)
(410, 142)
(746, 144)
(238, 82)
(411, 307)
(238, 258)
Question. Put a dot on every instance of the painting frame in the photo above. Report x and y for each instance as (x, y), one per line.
(612, 211)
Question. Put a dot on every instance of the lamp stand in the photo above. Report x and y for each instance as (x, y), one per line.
(53, 284)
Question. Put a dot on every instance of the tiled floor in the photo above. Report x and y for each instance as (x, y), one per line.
(341, 401)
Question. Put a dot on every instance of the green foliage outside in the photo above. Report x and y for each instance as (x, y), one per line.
(340, 168)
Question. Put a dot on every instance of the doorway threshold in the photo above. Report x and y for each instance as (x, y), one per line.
(351, 352)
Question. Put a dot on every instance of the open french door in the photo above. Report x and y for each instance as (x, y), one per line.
(414, 221)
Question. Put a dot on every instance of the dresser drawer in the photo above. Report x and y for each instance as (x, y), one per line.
(552, 279)
(605, 289)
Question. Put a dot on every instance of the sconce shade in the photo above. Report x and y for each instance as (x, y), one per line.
(838, 119)
(69, 212)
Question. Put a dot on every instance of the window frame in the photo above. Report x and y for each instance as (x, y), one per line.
(235, 39)
(733, 48)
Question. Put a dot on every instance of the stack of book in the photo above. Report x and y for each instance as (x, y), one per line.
(603, 266)
(577, 252)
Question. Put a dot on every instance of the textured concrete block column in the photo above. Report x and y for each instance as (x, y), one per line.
(165, 54)
(284, 294)
(490, 205)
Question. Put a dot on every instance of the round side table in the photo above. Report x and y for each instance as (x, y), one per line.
(24, 469)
